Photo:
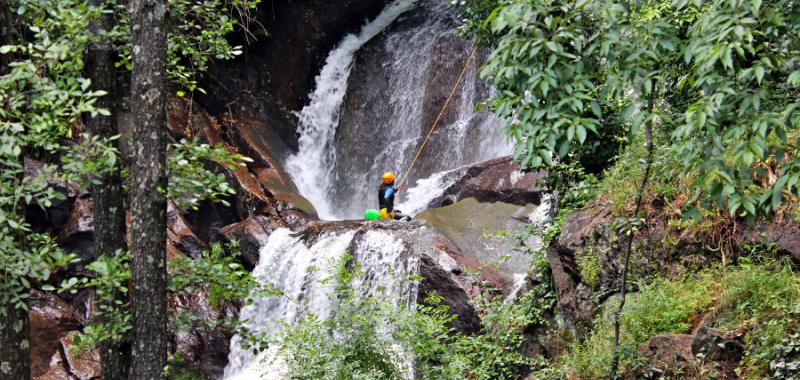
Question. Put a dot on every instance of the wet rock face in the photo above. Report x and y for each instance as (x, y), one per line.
(251, 234)
(276, 73)
(53, 218)
(398, 84)
(202, 348)
(444, 269)
(52, 319)
(436, 280)
(180, 235)
(478, 231)
(495, 180)
(262, 187)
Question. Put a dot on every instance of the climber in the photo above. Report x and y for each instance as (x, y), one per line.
(386, 193)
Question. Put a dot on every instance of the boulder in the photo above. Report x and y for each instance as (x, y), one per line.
(716, 346)
(251, 234)
(77, 234)
(784, 232)
(438, 280)
(480, 231)
(82, 366)
(786, 235)
(204, 347)
(50, 219)
(66, 363)
(670, 353)
(51, 320)
(180, 236)
(497, 180)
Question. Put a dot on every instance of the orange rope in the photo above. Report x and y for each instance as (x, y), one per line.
(439, 117)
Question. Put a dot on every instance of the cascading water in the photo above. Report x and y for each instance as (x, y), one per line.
(370, 116)
(297, 268)
(312, 167)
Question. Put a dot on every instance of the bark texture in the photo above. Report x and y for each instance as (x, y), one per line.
(15, 361)
(108, 197)
(8, 32)
(148, 202)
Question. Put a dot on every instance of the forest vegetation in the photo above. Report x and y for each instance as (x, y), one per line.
(675, 120)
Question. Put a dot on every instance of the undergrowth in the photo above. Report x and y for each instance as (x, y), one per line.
(758, 301)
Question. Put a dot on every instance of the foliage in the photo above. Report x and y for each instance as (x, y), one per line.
(350, 344)
(180, 368)
(620, 182)
(722, 74)
(589, 267)
(219, 272)
(111, 276)
(45, 92)
(786, 362)
(198, 35)
(21, 266)
(475, 13)
(216, 272)
(369, 338)
(89, 160)
(190, 180)
(578, 187)
(759, 299)
(42, 95)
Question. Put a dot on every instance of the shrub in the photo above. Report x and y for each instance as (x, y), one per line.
(759, 299)
(370, 338)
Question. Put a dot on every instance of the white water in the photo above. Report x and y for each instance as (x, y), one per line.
(312, 167)
(299, 270)
(418, 198)
(341, 189)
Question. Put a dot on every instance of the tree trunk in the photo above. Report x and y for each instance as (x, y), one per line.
(7, 32)
(148, 201)
(648, 135)
(15, 358)
(108, 197)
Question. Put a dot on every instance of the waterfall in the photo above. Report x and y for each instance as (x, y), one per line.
(297, 267)
(370, 116)
(312, 167)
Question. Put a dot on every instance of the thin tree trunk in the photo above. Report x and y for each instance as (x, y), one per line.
(108, 197)
(8, 32)
(648, 135)
(15, 358)
(148, 201)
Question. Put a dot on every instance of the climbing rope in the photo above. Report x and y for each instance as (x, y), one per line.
(439, 117)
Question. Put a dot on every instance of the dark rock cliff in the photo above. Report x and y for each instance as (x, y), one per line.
(276, 73)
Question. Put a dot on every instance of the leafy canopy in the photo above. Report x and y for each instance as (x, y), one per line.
(723, 77)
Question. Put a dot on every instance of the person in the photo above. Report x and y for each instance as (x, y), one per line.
(386, 193)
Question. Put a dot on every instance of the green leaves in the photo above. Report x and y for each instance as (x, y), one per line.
(190, 179)
(722, 77)
(89, 160)
(198, 35)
